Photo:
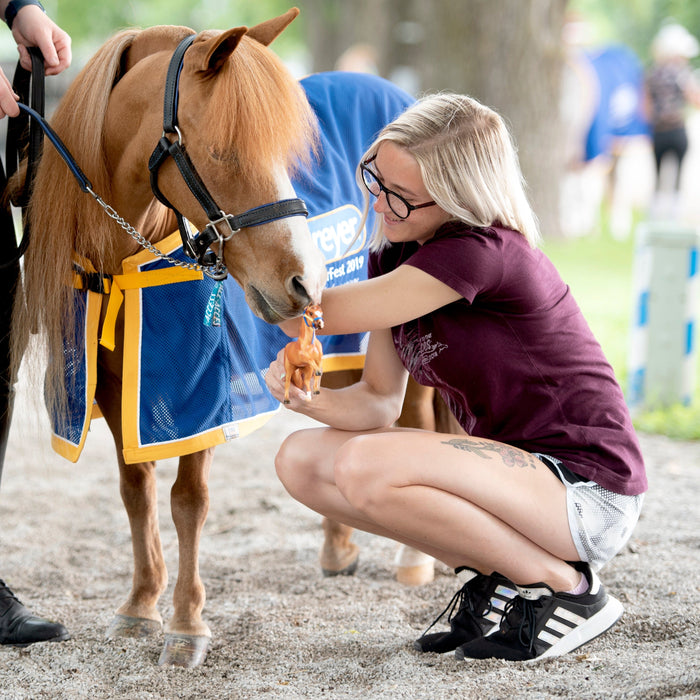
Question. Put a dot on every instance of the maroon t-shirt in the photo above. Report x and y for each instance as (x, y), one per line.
(514, 358)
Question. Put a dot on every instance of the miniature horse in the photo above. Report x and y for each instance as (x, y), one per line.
(246, 124)
(303, 356)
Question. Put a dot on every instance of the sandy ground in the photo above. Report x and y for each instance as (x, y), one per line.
(280, 630)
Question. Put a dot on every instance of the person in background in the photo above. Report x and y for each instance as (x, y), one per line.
(670, 89)
(30, 26)
(547, 484)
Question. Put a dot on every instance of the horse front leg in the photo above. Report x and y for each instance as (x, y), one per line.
(414, 568)
(187, 636)
(338, 556)
(139, 616)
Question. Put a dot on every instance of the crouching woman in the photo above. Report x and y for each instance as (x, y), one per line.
(547, 484)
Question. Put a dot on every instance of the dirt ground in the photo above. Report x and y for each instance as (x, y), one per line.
(280, 630)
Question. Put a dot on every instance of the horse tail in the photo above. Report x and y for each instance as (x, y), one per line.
(64, 221)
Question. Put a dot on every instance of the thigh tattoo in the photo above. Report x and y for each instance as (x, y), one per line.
(511, 456)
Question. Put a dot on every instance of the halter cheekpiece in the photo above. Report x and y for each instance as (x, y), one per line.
(221, 226)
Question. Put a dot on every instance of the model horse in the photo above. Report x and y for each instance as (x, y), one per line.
(245, 124)
(303, 356)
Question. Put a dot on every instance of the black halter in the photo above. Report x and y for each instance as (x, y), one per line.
(198, 247)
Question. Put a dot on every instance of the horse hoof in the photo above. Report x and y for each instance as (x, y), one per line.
(184, 650)
(339, 560)
(133, 627)
(348, 570)
(415, 575)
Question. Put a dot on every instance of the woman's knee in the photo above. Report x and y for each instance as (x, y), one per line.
(357, 475)
(292, 461)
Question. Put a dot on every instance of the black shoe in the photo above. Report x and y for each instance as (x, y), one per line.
(20, 628)
(539, 623)
(479, 604)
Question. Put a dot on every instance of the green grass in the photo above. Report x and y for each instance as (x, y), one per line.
(599, 272)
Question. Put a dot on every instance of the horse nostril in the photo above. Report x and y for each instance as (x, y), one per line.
(299, 289)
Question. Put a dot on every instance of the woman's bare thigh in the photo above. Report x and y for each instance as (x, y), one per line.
(505, 481)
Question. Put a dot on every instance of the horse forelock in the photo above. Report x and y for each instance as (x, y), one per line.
(258, 112)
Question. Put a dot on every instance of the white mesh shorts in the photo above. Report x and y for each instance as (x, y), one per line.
(600, 521)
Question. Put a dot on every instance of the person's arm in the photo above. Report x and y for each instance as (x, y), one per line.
(399, 296)
(381, 302)
(30, 26)
(373, 402)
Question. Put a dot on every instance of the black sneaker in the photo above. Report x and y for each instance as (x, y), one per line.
(479, 606)
(539, 623)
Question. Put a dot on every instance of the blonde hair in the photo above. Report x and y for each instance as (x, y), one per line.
(468, 162)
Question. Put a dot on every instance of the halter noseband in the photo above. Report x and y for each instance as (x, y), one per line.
(198, 247)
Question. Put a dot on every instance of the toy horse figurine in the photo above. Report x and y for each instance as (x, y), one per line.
(302, 357)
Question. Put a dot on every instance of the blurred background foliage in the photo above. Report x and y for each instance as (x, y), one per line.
(635, 22)
(632, 22)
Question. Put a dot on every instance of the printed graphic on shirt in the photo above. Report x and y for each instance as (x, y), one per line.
(417, 351)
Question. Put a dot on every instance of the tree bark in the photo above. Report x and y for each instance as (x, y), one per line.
(507, 54)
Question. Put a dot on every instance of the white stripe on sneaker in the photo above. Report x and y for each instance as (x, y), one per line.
(548, 638)
(569, 616)
(590, 629)
(559, 627)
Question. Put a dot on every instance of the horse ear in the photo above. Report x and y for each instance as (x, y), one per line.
(214, 51)
(267, 32)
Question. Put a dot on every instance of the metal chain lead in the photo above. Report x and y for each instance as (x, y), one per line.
(143, 242)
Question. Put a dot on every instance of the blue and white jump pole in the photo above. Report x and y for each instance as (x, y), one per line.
(663, 335)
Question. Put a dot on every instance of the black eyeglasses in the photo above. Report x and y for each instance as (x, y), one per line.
(396, 202)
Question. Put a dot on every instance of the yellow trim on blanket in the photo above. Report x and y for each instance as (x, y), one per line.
(138, 280)
(336, 363)
(196, 443)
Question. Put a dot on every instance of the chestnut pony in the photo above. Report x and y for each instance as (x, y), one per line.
(245, 123)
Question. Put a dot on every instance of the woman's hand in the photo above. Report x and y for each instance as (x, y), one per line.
(8, 98)
(373, 402)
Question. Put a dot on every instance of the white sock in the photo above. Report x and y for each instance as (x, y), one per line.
(580, 588)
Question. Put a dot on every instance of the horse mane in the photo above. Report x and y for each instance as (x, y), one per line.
(266, 120)
(57, 210)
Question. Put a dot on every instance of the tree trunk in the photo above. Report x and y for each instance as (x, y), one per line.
(506, 53)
